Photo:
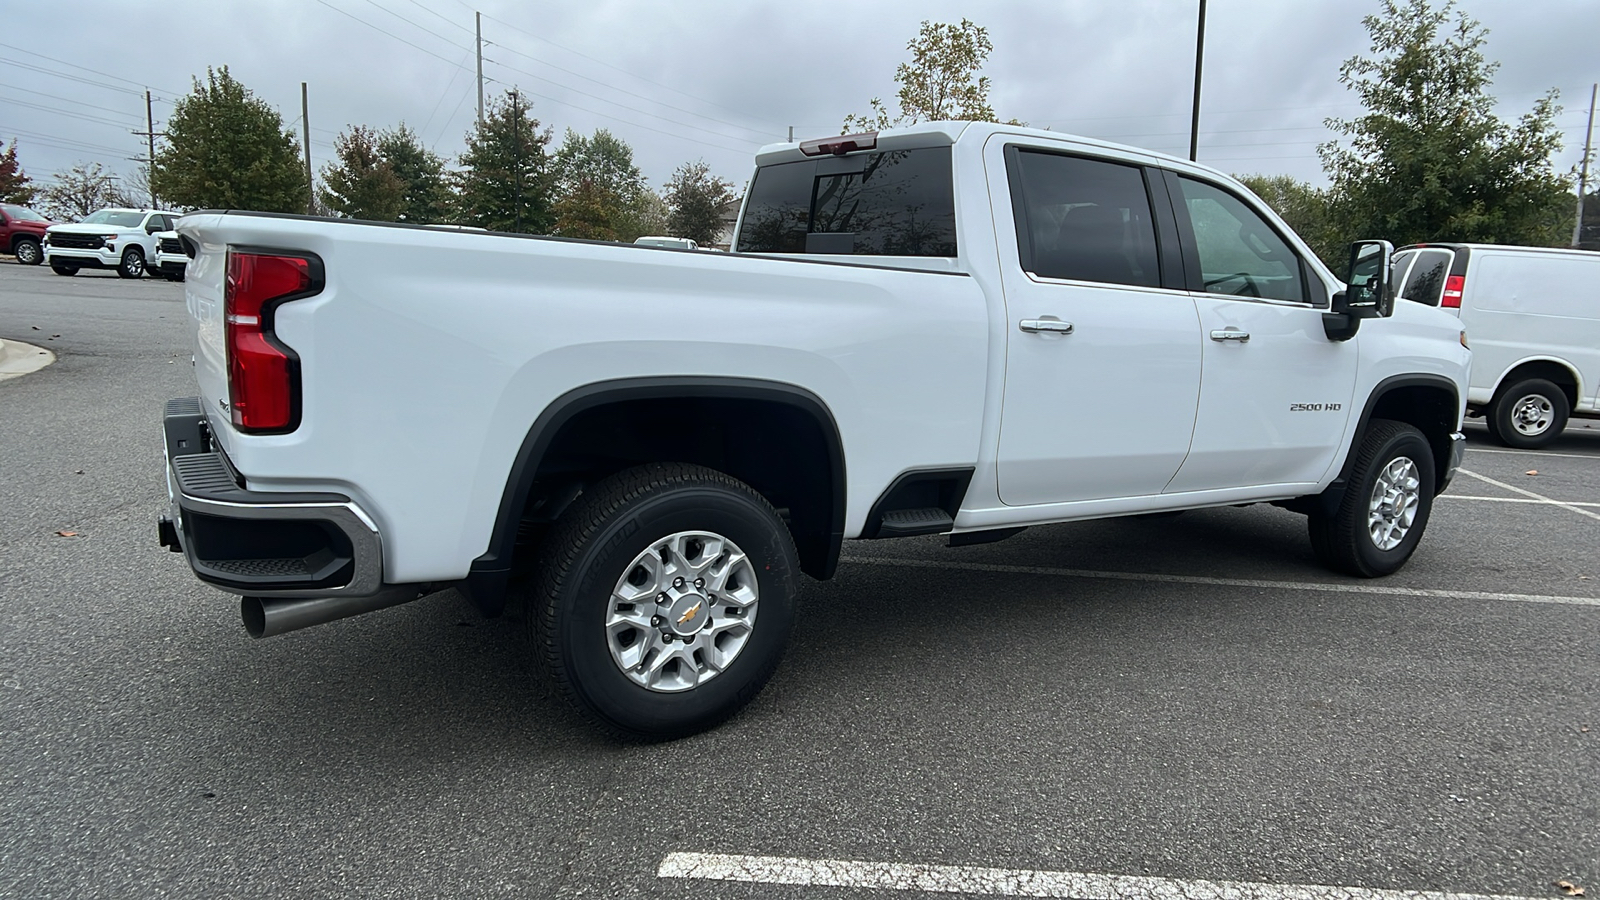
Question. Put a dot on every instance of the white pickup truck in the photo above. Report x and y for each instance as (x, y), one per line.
(952, 328)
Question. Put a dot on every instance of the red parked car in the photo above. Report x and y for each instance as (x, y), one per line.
(21, 230)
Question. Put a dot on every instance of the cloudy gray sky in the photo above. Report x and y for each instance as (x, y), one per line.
(697, 78)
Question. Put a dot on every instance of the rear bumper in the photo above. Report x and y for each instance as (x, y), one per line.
(257, 543)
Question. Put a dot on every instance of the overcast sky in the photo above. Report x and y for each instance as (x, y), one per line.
(685, 80)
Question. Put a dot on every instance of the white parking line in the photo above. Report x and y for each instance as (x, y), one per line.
(1516, 490)
(1381, 590)
(1535, 453)
(1516, 500)
(1009, 882)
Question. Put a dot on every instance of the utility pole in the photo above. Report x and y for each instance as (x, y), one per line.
(516, 154)
(305, 134)
(479, 17)
(1583, 171)
(150, 134)
(1199, 59)
(150, 167)
(791, 134)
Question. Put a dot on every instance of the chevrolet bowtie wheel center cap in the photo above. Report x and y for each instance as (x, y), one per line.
(682, 611)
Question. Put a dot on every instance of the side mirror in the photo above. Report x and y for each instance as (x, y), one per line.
(152, 228)
(1369, 293)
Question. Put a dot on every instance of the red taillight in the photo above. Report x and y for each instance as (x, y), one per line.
(1453, 286)
(261, 371)
(839, 146)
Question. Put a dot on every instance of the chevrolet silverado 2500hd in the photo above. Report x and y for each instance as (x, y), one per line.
(953, 328)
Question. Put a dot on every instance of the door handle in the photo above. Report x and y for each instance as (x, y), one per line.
(1047, 326)
(1230, 334)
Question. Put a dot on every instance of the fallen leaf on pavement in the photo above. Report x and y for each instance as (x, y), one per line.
(1531, 472)
(1570, 889)
(34, 327)
(66, 534)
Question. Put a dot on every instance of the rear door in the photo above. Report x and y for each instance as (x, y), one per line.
(1103, 355)
(1276, 392)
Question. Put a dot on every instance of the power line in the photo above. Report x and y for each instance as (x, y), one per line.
(87, 117)
(389, 33)
(85, 68)
(626, 91)
(34, 93)
(446, 19)
(624, 106)
(374, 4)
(43, 71)
(616, 68)
(55, 140)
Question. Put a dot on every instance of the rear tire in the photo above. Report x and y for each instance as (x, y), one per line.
(64, 270)
(27, 252)
(1385, 507)
(649, 534)
(1529, 414)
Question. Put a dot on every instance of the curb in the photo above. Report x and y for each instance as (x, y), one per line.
(18, 359)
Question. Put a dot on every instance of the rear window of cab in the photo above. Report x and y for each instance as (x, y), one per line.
(890, 203)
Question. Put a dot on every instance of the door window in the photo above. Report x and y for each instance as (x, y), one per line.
(1084, 220)
(1239, 253)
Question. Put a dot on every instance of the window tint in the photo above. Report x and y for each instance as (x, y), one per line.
(1085, 219)
(894, 203)
(1239, 252)
(1423, 273)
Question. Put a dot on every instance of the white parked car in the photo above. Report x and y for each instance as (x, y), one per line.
(121, 239)
(954, 328)
(675, 243)
(170, 261)
(1533, 316)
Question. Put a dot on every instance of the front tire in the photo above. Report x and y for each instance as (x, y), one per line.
(27, 252)
(1529, 414)
(664, 600)
(1385, 507)
(132, 265)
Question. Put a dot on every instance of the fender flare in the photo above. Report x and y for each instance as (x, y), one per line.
(490, 573)
(1328, 501)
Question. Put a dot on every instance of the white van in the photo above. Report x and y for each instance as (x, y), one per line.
(1533, 318)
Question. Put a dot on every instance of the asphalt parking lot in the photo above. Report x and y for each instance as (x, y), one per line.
(1179, 707)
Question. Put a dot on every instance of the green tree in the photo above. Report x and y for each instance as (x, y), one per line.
(15, 185)
(588, 210)
(696, 202)
(1305, 209)
(79, 191)
(940, 82)
(505, 182)
(227, 149)
(1429, 160)
(426, 196)
(600, 170)
(362, 184)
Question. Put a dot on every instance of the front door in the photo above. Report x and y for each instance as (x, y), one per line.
(1102, 362)
(1277, 392)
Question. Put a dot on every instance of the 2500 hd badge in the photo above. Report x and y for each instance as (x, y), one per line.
(1315, 407)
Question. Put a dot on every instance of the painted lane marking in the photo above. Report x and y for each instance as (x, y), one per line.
(1009, 882)
(1535, 453)
(1516, 490)
(1516, 500)
(1224, 582)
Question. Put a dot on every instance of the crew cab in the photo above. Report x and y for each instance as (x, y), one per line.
(956, 328)
(115, 238)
